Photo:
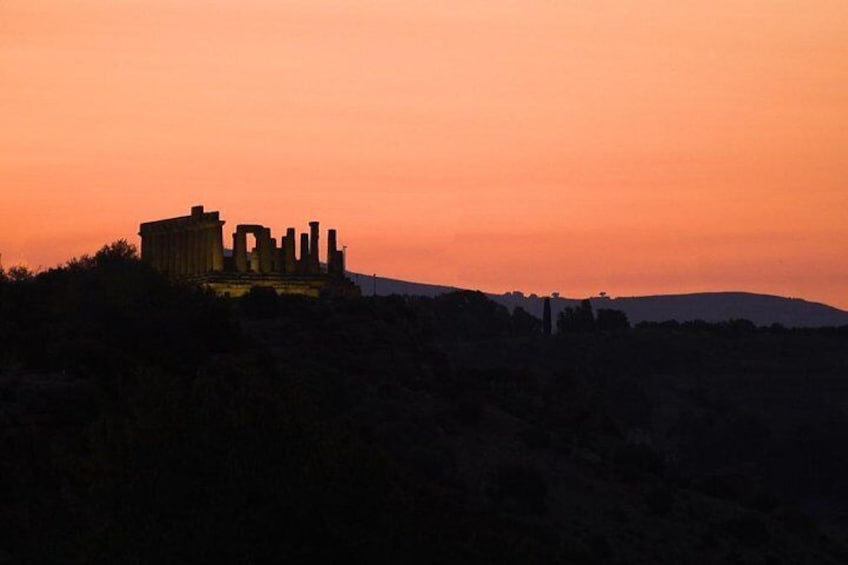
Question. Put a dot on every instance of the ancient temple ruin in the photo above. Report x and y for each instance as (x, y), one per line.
(191, 248)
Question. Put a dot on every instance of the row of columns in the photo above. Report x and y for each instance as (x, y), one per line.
(192, 245)
(268, 258)
(188, 251)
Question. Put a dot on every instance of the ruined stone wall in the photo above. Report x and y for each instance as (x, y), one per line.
(191, 247)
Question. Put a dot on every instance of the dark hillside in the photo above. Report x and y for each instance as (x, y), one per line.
(762, 309)
(150, 423)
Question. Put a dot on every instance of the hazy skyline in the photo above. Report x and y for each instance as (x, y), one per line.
(655, 147)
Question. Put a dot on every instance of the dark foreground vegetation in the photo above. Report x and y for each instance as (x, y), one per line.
(145, 422)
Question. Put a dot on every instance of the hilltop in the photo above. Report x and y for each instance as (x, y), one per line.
(150, 422)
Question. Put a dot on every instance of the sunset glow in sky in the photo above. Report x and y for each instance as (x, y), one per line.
(629, 147)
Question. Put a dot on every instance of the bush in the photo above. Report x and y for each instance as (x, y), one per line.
(260, 302)
(612, 320)
(749, 529)
(636, 462)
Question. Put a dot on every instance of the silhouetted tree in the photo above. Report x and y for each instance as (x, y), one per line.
(117, 251)
(470, 314)
(609, 319)
(546, 316)
(524, 323)
(575, 320)
(19, 273)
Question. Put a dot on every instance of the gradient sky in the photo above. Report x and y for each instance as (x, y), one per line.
(627, 147)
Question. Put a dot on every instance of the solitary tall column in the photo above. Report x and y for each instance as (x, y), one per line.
(332, 253)
(314, 262)
(288, 252)
(303, 264)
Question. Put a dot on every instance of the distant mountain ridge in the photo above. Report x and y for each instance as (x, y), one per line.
(762, 309)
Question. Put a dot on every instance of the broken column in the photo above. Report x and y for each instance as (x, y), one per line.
(208, 247)
(288, 252)
(254, 260)
(218, 247)
(240, 249)
(303, 264)
(314, 262)
(264, 245)
(334, 264)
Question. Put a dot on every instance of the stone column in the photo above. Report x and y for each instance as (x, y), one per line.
(290, 258)
(162, 251)
(186, 251)
(332, 251)
(206, 249)
(303, 264)
(199, 251)
(211, 242)
(171, 246)
(218, 248)
(165, 251)
(176, 241)
(203, 249)
(182, 266)
(279, 257)
(254, 259)
(213, 234)
(263, 245)
(281, 253)
(203, 255)
(240, 250)
(191, 255)
(148, 248)
(314, 261)
(157, 260)
(145, 246)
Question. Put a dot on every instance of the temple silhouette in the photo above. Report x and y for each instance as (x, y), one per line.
(191, 248)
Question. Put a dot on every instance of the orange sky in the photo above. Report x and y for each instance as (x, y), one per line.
(630, 147)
